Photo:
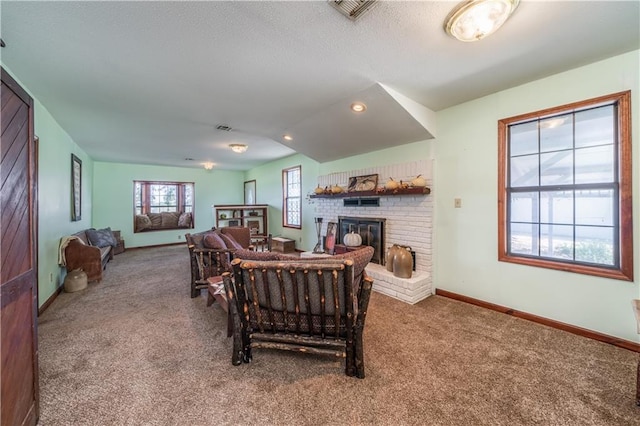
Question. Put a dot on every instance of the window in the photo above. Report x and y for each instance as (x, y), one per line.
(565, 188)
(292, 200)
(152, 199)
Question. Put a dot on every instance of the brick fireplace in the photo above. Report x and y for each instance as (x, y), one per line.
(406, 220)
(370, 229)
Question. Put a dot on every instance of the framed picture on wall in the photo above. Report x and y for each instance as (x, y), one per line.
(250, 192)
(76, 188)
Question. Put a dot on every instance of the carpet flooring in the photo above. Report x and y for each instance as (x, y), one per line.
(135, 349)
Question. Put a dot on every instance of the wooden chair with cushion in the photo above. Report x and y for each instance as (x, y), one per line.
(211, 251)
(310, 307)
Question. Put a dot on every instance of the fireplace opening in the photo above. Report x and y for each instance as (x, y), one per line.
(371, 231)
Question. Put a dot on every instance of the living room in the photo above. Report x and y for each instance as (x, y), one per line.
(461, 162)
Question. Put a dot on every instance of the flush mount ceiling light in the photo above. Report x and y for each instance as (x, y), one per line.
(208, 165)
(473, 20)
(238, 147)
(358, 107)
(287, 137)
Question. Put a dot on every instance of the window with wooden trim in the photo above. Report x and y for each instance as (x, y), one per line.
(292, 197)
(564, 179)
(163, 205)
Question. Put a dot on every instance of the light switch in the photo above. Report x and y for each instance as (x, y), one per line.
(457, 203)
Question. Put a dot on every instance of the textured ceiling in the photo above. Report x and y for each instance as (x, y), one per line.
(148, 82)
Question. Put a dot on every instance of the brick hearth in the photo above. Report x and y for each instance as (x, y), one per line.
(408, 222)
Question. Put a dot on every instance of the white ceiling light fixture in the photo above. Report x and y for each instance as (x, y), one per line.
(358, 107)
(238, 147)
(287, 137)
(208, 165)
(473, 20)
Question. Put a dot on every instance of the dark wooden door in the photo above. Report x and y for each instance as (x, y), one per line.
(18, 270)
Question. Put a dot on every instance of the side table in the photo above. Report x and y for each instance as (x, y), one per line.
(120, 247)
(216, 293)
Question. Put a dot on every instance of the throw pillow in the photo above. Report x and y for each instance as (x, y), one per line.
(156, 220)
(231, 242)
(142, 222)
(101, 237)
(246, 254)
(198, 240)
(184, 221)
(213, 241)
(169, 220)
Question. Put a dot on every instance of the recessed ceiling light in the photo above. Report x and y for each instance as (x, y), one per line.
(358, 107)
(287, 137)
(238, 147)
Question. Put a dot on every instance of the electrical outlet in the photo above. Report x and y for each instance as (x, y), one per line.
(457, 203)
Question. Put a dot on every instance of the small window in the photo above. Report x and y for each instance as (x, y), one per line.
(292, 199)
(565, 188)
(163, 205)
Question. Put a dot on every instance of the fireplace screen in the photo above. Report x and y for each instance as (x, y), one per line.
(370, 229)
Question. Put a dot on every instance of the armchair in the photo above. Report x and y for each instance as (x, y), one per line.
(310, 307)
(211, 256)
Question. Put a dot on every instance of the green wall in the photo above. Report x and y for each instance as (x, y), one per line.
(466, 166)
(113, 197)
(54, 195)
(269, 191)
(415, 151)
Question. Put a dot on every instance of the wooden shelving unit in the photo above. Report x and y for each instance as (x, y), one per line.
(377, 193)
(248, 215)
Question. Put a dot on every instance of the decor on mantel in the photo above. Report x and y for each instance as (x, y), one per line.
(363, 183)
(419, 182)
(379, 191)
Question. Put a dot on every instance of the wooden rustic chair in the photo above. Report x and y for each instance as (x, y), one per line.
(208, 262)
(308, 307)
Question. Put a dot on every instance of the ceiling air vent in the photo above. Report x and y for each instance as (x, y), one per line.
(352, 9)
(223, 127)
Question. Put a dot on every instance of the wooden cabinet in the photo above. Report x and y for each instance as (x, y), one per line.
(250, 216)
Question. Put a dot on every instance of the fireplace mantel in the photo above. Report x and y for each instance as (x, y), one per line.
(359, 194)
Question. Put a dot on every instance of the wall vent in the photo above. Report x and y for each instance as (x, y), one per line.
(352, 9)
(361, 202)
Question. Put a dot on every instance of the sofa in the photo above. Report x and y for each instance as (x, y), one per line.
(89, 250)
(165, 220)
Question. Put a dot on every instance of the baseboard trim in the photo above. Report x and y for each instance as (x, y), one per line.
(50, 300)
(626, 344)
(181, 243)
